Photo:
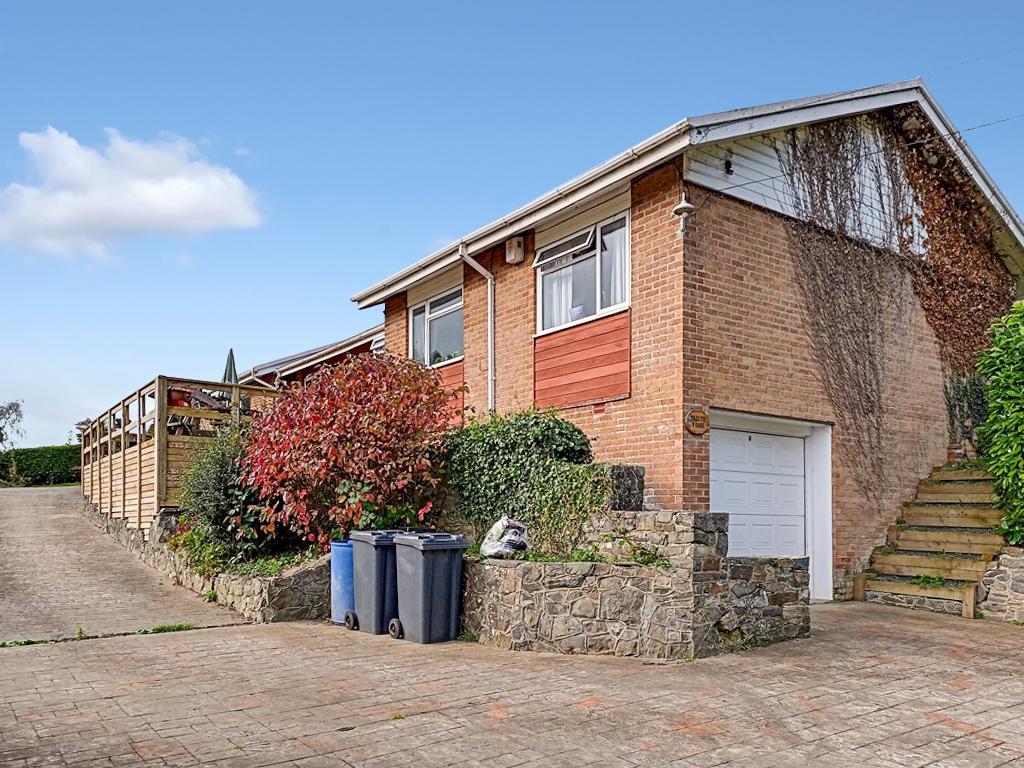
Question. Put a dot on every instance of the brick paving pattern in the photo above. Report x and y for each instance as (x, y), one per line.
(875, 686)
(58, 572)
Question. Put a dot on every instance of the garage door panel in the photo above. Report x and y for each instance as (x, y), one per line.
(729, 451)
(758, 480)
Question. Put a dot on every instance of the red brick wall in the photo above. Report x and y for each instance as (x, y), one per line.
(396, 326)
(720, 328)
(645, 428)
(746, 349)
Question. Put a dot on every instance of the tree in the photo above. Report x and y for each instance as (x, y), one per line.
(353, 443)
(11, 415)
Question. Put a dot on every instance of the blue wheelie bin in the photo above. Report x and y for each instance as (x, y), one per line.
(342, 600)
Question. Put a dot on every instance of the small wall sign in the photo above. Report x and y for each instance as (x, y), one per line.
(697, 421)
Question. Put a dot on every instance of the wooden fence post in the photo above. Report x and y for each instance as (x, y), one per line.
(123, 413)
(140, 429)
(160, 435)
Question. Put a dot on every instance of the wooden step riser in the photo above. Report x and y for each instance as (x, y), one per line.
(942, 537)
(966, 596)
(961, 549)
(905, 588)
(949, 486)
(910, 570)
(982, 523)
(930, 563)
(943, 474)
(955, 498)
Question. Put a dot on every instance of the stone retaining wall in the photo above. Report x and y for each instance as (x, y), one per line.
(1002, 588)
(701, 604)
(302, 593)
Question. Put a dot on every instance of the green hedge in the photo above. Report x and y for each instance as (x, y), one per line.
(534, 467)
(46, 465)
(1002, 365)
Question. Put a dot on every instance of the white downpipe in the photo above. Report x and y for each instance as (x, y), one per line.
(489, 277)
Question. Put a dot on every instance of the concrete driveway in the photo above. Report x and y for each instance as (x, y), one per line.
(58, 572)
(874, 686)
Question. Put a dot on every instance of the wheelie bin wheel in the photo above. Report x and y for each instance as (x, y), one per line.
(395, 629)
(351, 622)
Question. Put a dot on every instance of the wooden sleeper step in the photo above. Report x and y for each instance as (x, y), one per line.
(976, 542)
(946, 473)
(952, 515)
(956, 568)
(956, 492)
(967, 594)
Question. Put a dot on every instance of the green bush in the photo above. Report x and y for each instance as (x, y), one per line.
(207, 554)
(202, 550)
(213, 491)
(1002, 365)
(532, 466)
(46, 465)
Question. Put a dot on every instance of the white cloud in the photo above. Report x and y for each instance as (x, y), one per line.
(87, 198)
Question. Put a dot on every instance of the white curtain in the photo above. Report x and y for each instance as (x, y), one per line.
(614, 266)
(557, 290)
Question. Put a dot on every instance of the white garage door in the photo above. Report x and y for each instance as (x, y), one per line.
(759, 480)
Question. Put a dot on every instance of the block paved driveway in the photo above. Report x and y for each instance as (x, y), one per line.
(874, 686)
(58, 572)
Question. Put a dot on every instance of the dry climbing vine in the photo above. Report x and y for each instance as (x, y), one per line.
(960, 281)
(854, 292)
(882, 206)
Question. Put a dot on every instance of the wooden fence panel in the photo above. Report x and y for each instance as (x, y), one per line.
(135, 454)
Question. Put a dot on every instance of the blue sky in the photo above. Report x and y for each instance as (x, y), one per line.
(325, 145)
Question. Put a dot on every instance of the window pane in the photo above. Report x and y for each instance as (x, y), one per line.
(447, 300)
(569, 293)
(578, 243)
(614, 264)
(418, 337)
(557, 296)
(446, 337)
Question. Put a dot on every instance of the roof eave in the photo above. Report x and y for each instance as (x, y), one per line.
(713, 127)
(635, 160)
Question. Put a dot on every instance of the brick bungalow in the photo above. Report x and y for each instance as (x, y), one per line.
(658, 290)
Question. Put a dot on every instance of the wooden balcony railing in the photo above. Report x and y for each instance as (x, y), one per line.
(135, 453)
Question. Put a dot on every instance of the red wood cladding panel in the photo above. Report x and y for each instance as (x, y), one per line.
(453, 376)
(583, 364)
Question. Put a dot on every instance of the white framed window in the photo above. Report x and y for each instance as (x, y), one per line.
(435, 329)
(583, 275)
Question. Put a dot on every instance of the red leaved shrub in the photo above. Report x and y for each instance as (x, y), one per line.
(356, 438)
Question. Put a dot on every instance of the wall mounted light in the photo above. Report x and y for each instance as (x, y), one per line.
(683, 211)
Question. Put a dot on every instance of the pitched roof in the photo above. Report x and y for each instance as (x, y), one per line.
(648, 154)
(283, 366)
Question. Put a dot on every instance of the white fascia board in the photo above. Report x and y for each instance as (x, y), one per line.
(818, 112)
(977, 171)
(326, 353)
(709, 128)
(791, 106)
(249, 377)
(636, 160)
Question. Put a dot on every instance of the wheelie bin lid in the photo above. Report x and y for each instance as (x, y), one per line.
(384, 536)
(431, 541)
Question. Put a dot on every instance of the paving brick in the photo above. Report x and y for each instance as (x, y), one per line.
(58, 573)
(873, 686)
